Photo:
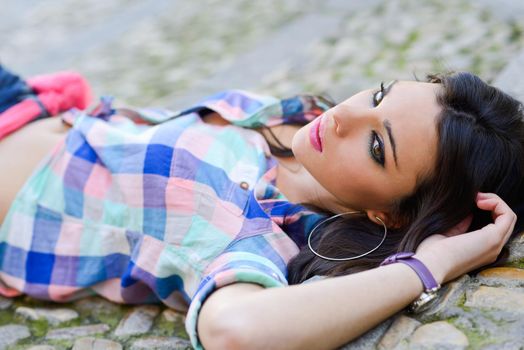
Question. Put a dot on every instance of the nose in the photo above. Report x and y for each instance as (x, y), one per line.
(351, 118)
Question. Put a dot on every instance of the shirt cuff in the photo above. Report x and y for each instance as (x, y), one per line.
(231, 268)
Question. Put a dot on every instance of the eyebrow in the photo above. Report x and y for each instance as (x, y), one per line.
(387, 125)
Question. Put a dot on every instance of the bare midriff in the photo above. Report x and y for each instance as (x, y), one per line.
(21, 152)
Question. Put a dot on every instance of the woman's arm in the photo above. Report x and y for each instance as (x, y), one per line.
(329, 313)
(320, 315)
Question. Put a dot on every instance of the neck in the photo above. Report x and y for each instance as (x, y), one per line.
(299, 186)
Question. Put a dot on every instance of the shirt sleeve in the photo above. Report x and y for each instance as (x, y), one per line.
(249, 110)
(259, 259)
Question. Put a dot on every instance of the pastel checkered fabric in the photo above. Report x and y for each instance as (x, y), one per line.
(144, 206)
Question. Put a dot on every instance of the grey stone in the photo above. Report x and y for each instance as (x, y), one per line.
(508, 345)
(344, 50)
(96, 306)
(41, 347)
(370, 338)
(12, 333)
(510, 300)
(401, 328)
(53, 316)
(505, 9)
(173, 316)
(75, 332)
(510, 79)
(138, 321)
(438, 335)
(96, 344)
(516, 246)
(161, 343)
(5, 303)
(491, 326)
(349, 6)
(502, 276)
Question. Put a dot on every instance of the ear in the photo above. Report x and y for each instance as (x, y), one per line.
(377, 216)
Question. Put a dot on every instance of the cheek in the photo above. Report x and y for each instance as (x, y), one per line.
(359, 191)
(354, 183)
(360, 184)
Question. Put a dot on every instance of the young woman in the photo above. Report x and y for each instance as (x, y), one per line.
(206, 208)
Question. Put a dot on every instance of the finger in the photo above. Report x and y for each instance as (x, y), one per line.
(506, 229)
(487, 204)
(511, 226)
(504, 218)
(492, 205)
(481, 195)
(484, 195)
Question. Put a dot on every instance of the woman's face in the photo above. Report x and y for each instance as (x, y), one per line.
(371, 149)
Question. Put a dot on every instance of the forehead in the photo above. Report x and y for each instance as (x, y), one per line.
(412, 109)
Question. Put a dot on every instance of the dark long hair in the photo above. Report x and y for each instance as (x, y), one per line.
(480, 148)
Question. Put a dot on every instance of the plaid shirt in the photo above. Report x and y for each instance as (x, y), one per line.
(159, 206)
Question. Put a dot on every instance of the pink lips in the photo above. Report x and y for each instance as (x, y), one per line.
(314, 135)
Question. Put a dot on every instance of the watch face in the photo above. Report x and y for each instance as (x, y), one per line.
(423, 302)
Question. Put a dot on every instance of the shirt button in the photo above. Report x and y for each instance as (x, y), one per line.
(244, 185)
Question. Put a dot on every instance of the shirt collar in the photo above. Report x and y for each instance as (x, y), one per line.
(296, 220)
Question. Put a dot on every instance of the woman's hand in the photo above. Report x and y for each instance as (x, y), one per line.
(451, 255)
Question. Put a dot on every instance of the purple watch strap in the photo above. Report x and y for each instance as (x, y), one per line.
(422, 271)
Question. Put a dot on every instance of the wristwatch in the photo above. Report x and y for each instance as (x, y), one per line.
(430, 285)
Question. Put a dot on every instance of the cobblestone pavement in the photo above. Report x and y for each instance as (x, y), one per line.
(172, 52)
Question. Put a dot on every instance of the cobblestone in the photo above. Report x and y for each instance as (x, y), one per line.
(96, 344)
(75, 332)
(138, 321)
(161, 343)
(10, 334)
(516, 246)
(505, 273)
(172, 316)
(41, 347)
(171, 53)
(399, 330)
(438, 335)
(499, 298)
(5, 303)
(53, 316)
(96, 305)
(370, 338)
(507, 276)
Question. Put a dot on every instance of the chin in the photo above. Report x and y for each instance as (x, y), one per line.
(298, 145)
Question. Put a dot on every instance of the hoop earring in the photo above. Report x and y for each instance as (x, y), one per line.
(350, 258)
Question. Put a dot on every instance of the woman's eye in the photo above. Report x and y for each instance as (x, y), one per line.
(379, 95)
(376, 149)
(377, 98)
